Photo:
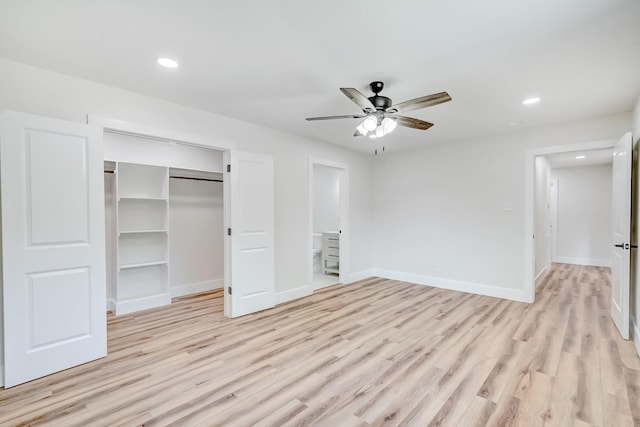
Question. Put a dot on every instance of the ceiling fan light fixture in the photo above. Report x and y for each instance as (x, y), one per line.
(370, 123)
(361, 129)
(389, 125)
(380, 132)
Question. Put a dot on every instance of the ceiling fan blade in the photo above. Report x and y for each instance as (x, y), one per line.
(359, 99)
(410, 122)
(349, 116)
(422, 102)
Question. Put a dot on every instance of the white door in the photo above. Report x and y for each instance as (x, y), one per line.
(249, 273)
(52, 244)
(621, 215)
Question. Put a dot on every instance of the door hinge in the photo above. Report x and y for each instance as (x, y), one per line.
(228, 168)
(229, 288)
(228, 232)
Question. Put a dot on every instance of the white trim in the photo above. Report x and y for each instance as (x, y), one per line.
(635, 333)
(529, 244)
(131, 128)
(454, 285)
(360, 275)
(144, 303)
(291, 294)
(542, 273)
(111, 305)
(196, 288)
(583, 261)
(344, 218)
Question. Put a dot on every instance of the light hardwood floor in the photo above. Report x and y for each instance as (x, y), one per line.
(378, 352)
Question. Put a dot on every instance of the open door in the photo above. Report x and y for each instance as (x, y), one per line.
(53, 245)
(249, 273)
(621, 215)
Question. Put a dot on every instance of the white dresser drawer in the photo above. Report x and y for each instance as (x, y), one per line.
(333, 251)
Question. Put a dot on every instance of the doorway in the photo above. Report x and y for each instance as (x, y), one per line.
(328, 199)
(538, 206)
(249, 279)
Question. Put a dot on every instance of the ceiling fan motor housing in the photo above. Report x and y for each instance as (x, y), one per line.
(380, 102)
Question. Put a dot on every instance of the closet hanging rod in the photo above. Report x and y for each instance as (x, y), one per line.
(195, 179)
(184, 177)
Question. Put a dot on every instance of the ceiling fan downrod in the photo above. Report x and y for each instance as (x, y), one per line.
(380, 102)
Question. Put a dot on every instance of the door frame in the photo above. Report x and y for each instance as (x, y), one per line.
(529, 203)
(344, 219)
(162, 134)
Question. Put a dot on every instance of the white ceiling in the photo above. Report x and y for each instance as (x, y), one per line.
(591, 158)
(277, 62)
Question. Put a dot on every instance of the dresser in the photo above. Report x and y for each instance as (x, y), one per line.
(331, 252)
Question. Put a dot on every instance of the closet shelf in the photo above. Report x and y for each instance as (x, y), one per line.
(141, 264)
(136, 198)
(120, 233)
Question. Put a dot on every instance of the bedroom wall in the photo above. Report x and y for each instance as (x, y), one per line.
(37, 91)
(584, 215)
(440, 210)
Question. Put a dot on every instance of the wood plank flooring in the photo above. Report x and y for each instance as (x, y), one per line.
(378, 352)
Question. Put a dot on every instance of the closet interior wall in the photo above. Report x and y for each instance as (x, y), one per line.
(194, 225)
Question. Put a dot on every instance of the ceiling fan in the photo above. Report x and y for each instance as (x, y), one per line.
(381, 115)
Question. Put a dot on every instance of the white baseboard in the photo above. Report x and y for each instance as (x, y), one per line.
(195, 288)
(583, 261)
(360, 275)
(291, 294)
(2, 374)
(541, 274)
(144, 303)
(454, 285)
(111, 305)
(635, 333)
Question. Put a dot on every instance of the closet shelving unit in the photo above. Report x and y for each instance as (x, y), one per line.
(143, 237)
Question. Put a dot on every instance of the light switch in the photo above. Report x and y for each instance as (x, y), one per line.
(507, 206)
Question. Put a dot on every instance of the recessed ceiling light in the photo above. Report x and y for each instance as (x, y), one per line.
(580, 157)
(530, 101)
(515, 124)
(168, 62)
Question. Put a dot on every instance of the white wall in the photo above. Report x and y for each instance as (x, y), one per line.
(439, 209)
(196, 238)
(33, 90)
(584, 215)
(326, 198)
(133, 149)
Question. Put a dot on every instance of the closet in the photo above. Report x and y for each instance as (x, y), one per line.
(164, 222)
